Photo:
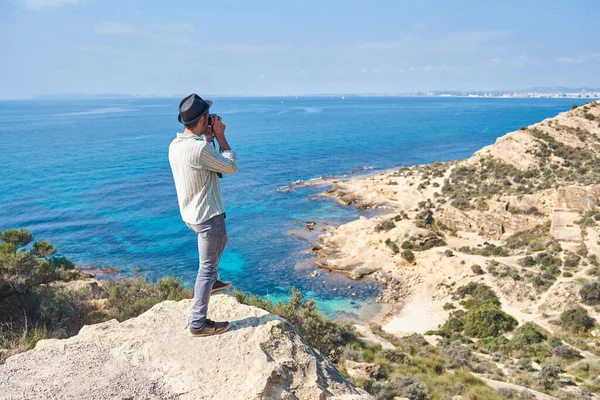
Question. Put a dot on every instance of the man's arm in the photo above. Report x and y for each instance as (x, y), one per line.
(225, 162)
(210, 159)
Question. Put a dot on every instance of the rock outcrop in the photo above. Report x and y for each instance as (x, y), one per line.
(154, 356)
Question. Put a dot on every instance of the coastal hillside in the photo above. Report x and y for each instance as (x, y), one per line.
(153, 356)
(475, 252)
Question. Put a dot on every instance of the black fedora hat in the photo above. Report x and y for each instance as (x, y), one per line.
(192, 108)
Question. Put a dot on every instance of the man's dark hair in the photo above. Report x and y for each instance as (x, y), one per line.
(192, 125)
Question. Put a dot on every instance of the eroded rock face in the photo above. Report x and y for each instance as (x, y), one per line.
(578, 197)
(154, 356)
(493, 223)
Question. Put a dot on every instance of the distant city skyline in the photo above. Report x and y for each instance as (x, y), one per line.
(231, 47)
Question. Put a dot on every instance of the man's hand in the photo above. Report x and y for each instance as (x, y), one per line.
(218, 127)
(219, 131)
(209, 135)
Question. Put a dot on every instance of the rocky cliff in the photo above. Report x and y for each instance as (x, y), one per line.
(154, 356)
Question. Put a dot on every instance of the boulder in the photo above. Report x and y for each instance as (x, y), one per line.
(154, 356)
(359, 370)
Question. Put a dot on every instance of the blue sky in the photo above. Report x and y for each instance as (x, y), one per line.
(283, 47)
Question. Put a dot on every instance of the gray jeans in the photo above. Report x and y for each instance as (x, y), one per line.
(212, 238)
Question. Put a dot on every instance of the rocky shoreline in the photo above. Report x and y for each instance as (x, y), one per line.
(434, 231)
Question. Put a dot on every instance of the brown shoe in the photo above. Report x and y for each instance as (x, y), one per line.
(220, 285)
(211, 328)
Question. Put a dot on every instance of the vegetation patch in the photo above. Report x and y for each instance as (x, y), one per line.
(408, 256)
(422, 242)
(489, 250)
(487, 320)
(576, 320)
(321, 333)
(490, 177)
(525, 211)
(535, 239)
(392, 245)
(590, 293)
(385, 225)
(34, 307)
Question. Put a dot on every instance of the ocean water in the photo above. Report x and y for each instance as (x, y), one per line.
(92, 176)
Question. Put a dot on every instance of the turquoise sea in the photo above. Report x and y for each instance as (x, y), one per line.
(92, 176)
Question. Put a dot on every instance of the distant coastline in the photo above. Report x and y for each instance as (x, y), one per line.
(535, 92)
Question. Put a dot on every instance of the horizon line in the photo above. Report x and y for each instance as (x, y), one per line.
(426, 93)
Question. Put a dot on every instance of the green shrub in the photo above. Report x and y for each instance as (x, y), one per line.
(392, 245)
(548, 375)
(527, 261)
(495, 344)
(408, 256)
(539, 235)
(477, 269)
(422, 242)
(487, 251)
(524, 363)
(383, 389)
(407, 245)
(590, 293)
(324, 335)
(414, 389)
(527, 211)
(457, 355)
(546, 260)
(451, 326)
(487, 320)
(571, 261)
(479, 294)
(24, 266)
(128, 298)
(566, 352)
(554, 342)
(577, 320)
(588, 219)
(527, 335)
(385, 225)
(395, 356)
(30, 308)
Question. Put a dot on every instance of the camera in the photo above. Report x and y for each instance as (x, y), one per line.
(210, 119)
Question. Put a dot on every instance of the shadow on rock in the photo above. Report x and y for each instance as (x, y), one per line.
(252, 322)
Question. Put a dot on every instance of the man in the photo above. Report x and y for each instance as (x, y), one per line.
(196, 167)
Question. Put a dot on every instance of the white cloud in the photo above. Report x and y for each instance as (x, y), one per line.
(40, 4)
(99, 50)
(467, 41)
(172, 28)
(578, 59)
(514, 62)
(384, 69)
(242, 48)
(520, 61)
(387, 69)
(428, 68)
(113, 28)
